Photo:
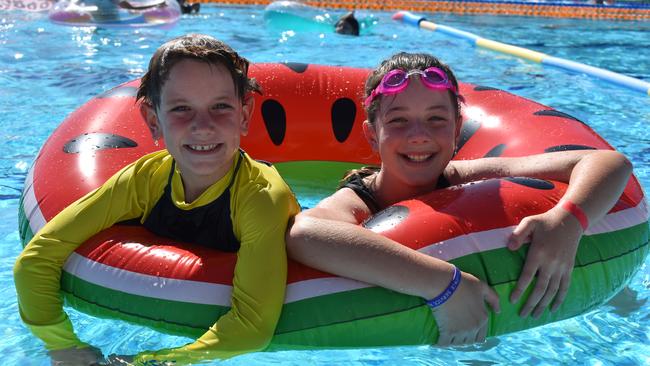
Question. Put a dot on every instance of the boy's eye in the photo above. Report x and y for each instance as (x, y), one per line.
(180, 108)
(222, 106)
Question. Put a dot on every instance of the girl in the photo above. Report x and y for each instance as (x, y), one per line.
(203, 189)
(414, 121)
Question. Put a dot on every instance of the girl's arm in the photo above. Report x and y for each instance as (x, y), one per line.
(329, 238)
(596, 180)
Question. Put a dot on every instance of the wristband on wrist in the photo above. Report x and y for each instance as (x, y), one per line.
(576, 211)
(446, 293)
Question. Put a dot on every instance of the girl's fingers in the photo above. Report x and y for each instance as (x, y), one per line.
(551, 291)
(492, 299)
(562, 291)
(540, 289)
(482, 333)
(444, 339)
(527, 274)
(521, 234)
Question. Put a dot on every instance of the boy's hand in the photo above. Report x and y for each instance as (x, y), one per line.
(87, 356)
(554, 237)
(463, 319)
(115, 360)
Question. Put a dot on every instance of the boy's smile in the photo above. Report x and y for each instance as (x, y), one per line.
(201, 119)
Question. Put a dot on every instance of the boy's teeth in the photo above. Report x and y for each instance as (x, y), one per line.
(202, 147)
(419, 157)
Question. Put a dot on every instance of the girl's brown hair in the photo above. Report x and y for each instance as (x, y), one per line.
(407, 62)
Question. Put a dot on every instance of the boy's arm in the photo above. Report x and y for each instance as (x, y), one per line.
(258, 285)
(37, 271)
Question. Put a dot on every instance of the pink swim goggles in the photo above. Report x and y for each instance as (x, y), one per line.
(395, 81)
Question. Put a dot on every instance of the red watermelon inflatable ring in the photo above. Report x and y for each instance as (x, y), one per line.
(308, 123)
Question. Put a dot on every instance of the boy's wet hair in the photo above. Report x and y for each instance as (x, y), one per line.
(197, 47)
(407, 62)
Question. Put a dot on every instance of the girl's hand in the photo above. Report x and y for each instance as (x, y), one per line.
(87, 356)
(463, 319)
(554, 237)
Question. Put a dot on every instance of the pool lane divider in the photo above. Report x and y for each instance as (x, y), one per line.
(542, 58)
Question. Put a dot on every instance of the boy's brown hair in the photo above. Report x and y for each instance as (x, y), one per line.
(198, 47)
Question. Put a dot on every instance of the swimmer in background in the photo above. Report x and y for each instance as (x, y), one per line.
(189, 8)
(347, 24)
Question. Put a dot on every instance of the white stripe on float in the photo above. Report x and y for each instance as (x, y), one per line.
(461, 246)
(321, 286)
(214, 294)
(621, 219)
(30, 203)
(147, 285)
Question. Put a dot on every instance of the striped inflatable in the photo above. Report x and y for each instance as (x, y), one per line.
(109, 14)
(308, 122)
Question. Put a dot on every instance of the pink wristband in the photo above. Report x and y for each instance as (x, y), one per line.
(576, 211)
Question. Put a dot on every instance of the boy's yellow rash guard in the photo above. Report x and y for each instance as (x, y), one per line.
(261, 204)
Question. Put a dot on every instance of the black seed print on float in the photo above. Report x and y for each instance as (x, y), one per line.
(344, 111)
(275, 120)
(469, 128)
(387, 218)
(495, 151)
(568, 148)
(298, 67)
(484, 88)
(531, 182)
(554, 113)
(119, 92)
(97, 141)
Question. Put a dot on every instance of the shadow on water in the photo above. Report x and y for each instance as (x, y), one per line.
(626, 302)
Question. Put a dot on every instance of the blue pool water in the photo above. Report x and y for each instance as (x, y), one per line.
(46, 71)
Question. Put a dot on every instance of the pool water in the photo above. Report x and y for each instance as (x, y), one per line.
(47, 71)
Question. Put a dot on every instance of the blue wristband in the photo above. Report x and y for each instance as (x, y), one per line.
(446, 294)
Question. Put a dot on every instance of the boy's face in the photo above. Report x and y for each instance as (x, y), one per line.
(201, 118)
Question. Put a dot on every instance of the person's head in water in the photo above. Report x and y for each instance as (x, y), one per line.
(347, 24)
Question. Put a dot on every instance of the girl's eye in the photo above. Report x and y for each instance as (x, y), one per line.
(397, 120)
(438, 120)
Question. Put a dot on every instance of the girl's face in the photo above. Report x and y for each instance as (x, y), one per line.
(201, 118)
(415, 134)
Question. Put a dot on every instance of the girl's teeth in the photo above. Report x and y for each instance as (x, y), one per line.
(419, 157)
(202, 147)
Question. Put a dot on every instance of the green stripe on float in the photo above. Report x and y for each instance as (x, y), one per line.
(314, 177)
(591, 286)
(407, 327)
(163, 315)
(502, 266)
(24, 229)
(343, 307)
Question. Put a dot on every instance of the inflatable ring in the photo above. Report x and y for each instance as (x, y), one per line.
(308, 123)
(116, 13)
(299, 17)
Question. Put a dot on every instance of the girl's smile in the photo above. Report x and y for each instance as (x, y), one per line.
(415, 133)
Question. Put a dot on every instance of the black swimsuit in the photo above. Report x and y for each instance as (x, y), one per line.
(208, 225)
(355, 183)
